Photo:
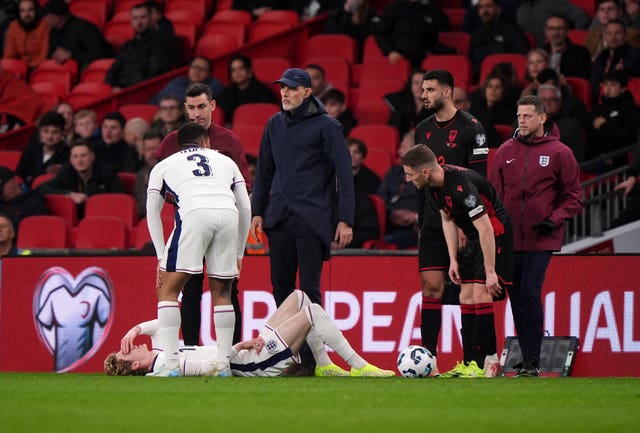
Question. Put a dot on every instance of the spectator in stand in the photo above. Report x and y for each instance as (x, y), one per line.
(170, 115)
(8, 246)
(614, 123)
(19, 104)
(608, 10)
(66, 110)
(572, 132)
(27, 37)
(617, 56)
(85, 127)
(354, 19)
(82, 177)
(493, 36)
(259, 7)
(164, 27)
(537, 60)
(134, 131)
(319, 84)
(71, 37)
(407, 107)
(143, 57)
(364, 179)
(632, 13)
(400, 201)
(150, 145)
(15, 202)
(630, 188)
(408, 29)
(565, 57)
(571, 106)
(244, 87)
(199, 72)
(334, 103)
(47, 153)
(112, 149)
(532, 15)
(489, 103)
(463, 103)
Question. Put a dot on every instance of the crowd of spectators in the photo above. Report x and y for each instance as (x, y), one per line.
(404, 31)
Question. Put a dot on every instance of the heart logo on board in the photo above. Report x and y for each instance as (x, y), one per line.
(73, 315)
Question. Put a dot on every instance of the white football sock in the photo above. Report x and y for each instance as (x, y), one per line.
(330, 334)
(317, 348)
(224, 320)
(168, 329)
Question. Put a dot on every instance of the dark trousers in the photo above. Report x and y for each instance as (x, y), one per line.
(294, 247)
(191, 313)
(526, 301)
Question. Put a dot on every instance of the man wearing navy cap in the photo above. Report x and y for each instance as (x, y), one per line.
(303, 186)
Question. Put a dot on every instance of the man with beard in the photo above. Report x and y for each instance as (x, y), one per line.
(27, 37)
(457, 138)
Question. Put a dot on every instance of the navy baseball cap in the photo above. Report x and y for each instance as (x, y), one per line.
(295, 77)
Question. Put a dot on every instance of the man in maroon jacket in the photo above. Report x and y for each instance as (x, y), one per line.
(200, 104)
(537, 179)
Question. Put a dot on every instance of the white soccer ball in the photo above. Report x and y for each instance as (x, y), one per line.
(415, 361)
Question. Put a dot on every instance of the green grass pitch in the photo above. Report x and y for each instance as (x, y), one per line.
(92, 403)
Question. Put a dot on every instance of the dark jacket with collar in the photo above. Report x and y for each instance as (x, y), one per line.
(500, 37)
(104, 179)
(620, 129)
(302, 154)
(575, 60)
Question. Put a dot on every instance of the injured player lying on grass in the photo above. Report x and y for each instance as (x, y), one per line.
(268, 355)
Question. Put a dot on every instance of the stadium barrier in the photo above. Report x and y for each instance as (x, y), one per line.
(67, 313)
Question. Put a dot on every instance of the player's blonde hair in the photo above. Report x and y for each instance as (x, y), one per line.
(119, 367)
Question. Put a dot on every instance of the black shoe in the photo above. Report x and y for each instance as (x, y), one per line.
(517, 367)
(528, 370)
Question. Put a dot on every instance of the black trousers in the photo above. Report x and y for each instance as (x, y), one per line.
(294, 247)
(526, 301)
(192, 315)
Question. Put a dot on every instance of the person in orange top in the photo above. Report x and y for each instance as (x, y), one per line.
(27, 37)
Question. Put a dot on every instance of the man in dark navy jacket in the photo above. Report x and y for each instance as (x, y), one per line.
(302, 155)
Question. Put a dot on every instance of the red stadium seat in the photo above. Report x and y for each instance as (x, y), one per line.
(69, 65)
(62, 206)
(211, 46)
(457, 64)
(10, 158)
(43, 231)
(235, 29)
(182, 16)
(343, 46)
(239, 16)
(50, 88)
(86, 93)
(269, 69)
(101, 233)
(634, 88)
(372, 112)
(253, 115)
(128, 180)
(60, 77)
(378, 160)
(589, 6)
(335, 68)
(384, 137)
(250, 137)
(458, 40)
(125, 5)
(371, 50)
(456, 17)
(577, 36)
(381, 213)
(146, 111)
(195, 7)
(117, 33)
(186, 34)
(40, 179)
(582, 90)
(118, 205)
(94, 16)
(280, 16)
(263, 29)
(505, 132)
(375, 90)
(97, 70)
(142, 231)
(382, 68)
(519, 61)
(17, 67)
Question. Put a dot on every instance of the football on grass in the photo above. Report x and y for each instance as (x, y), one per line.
(415, 361)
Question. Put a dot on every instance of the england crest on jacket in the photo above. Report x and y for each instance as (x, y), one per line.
(544, 160)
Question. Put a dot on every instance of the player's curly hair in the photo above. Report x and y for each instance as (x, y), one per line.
(119, 367)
